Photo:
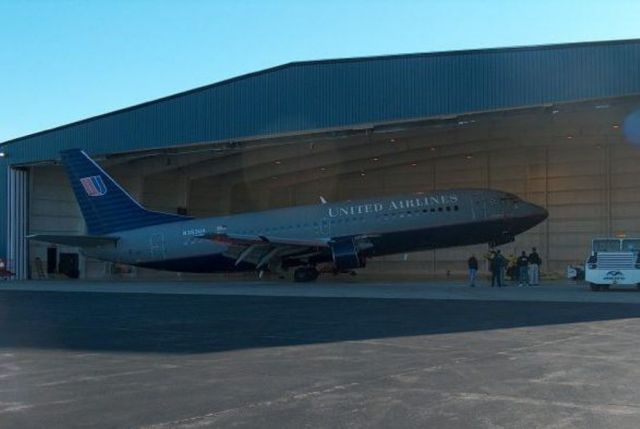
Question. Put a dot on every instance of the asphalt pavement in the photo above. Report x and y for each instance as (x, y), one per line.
(405, 355)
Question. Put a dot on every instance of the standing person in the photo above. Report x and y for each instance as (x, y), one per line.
(491, 259)
(495, 265)
(472, 262)
(523, 269)
(534, 267)
(502, 266)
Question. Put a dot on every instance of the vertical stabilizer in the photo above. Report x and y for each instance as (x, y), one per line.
(105, 205)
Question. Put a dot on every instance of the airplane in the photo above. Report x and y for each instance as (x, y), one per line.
(341, 235)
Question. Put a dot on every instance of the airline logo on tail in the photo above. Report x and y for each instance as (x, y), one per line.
(94, 186)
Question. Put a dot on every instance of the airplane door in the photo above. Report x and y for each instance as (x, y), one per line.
(479, 207)
(325, 227)
(157, 246)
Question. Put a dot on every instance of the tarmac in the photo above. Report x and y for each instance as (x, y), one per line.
(280, 355)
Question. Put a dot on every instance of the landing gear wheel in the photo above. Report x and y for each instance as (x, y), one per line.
(594, 287)
(305, 274)
(604, 287)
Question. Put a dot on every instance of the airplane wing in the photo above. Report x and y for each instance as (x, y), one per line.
(76, 240)
(265, 250)
(262, 250)
(231, 238)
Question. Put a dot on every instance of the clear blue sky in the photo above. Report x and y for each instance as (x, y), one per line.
(61, 61)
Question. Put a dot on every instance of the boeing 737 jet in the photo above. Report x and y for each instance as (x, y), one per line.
(340, 234)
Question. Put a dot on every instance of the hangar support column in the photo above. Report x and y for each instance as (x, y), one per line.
(608, 179)
(547, 247)
(17, 197)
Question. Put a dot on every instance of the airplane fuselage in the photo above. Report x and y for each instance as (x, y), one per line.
(388, 225)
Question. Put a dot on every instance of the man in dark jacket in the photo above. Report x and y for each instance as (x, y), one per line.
(523, 269)
(496, 264)
(534, 267)
(472, 263)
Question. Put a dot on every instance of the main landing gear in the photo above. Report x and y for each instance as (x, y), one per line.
(305, 274)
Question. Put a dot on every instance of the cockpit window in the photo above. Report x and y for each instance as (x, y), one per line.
(510, 197)
(606, 245)
(631, 245)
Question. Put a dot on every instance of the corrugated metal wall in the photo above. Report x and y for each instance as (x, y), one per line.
(329, 94)
(344, 93)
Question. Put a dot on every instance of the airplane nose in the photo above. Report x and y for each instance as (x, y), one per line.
(537, 213)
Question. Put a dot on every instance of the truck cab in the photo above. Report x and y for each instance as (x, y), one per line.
(613, 261)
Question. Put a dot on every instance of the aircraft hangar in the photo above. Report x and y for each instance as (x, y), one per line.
(544, 122)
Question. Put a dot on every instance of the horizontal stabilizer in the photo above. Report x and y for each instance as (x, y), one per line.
(76, 240)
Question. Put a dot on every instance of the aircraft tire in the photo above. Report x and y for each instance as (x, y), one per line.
(305, 274)
(594, 287)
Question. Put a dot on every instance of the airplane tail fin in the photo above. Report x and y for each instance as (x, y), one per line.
(105, 205)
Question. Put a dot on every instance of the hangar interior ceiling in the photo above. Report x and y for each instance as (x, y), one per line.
(570, 158)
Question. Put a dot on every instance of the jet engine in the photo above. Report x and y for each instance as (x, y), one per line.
(346, 256)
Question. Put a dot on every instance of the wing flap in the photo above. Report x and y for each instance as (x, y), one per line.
(76, 240)
(241, 239)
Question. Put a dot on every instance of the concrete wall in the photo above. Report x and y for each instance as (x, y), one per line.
(52, 210)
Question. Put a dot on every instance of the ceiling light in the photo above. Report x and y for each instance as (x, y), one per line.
(569, 137)
(375, 159)
(277, 162)
(392, 140)
(413, 164)
(323, 168)
(432, 148)
(469, 156)
(362, 173)
(615, 126)
(2, 154)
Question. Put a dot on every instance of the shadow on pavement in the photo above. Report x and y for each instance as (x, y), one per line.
(201, 324)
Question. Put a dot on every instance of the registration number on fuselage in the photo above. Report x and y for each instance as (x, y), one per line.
(194, 232)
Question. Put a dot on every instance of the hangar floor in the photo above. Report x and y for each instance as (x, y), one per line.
(281, 355)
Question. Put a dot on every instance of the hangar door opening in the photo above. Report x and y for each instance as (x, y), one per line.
(53, 210)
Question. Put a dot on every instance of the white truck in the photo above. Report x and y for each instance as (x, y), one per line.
(613, 261)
